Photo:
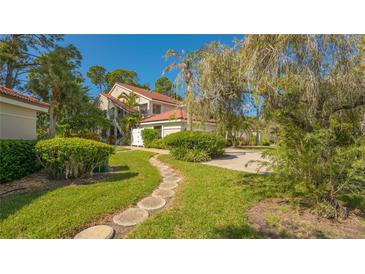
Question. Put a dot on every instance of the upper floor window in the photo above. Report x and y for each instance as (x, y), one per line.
(143, 109)
(156, 109)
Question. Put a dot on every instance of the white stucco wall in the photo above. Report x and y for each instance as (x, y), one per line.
(167, 127)
(17, 122)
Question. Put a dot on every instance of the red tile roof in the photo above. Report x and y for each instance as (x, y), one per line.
(21, 97)
(174, 114)
(119, 103)
(151, 94)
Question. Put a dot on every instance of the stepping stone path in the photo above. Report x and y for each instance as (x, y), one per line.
(135, 215)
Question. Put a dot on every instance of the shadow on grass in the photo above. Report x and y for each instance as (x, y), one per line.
(236, 232)
(120, 177)
(11, 204)
(120, 168)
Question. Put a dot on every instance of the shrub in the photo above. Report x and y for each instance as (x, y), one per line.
(149, 135)
(158, 143)
(72, 157)
(194, 146)
(17, 159)
(190, 155)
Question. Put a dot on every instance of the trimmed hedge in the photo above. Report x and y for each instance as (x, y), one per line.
(158, 143)
(148, 136)
(17, 159)
(72, 157)
(194, 146)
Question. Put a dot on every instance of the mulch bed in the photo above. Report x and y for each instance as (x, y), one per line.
(276, 218)
(39, 181)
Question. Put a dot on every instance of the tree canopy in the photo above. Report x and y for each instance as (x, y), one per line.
(105, 80)
(18, 54)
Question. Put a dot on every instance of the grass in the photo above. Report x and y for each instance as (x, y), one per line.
(210, 203)
(63, 211)
(120, 148)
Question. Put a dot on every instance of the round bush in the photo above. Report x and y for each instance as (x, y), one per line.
(72, 157)
(195, 146)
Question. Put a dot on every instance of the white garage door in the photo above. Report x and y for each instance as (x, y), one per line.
(136, 137)
(169, 130)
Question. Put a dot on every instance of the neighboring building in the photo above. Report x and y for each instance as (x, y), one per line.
(163, 113)
(18, 114)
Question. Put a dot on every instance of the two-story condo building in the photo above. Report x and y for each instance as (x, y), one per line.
(163, 113)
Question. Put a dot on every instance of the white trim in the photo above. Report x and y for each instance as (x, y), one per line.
(178, 120)
(22, 104)
(161, 122)
(167, 103)
(16, 115)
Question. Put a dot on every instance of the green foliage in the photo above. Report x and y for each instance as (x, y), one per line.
(128, 122)
(80, 117)
(56, 80)
(72, 157)
(97, 75)
(194, 145)
(164, 86)
(158, 143)
(17, 159)
(18, 53)
(314, 92)
(148, 136)
(190, 155)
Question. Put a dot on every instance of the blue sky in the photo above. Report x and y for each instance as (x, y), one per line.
(141, 53)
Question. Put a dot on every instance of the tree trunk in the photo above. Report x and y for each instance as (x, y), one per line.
(9, 81)
(52, 121)
(189, 108)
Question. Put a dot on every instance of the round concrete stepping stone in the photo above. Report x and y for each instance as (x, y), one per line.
(130, 217)
(151, 203)
(96, 232)
(163, 193)
(169, 185)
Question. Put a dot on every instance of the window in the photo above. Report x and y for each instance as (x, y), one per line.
(156, 109)
(143, 109)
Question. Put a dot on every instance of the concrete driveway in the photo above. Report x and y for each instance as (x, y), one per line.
(236, 159)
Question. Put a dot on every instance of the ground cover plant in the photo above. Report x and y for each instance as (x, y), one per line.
(64, 211)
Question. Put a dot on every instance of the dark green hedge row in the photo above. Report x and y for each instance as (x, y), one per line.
(72, 157)
(194, 146)
(17, 159)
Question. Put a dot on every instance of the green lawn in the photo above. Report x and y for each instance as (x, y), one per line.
(210, 203)
(62, 212)
(120, 148)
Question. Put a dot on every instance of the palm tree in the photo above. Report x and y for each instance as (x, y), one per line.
(130, 99)
(185, 63)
